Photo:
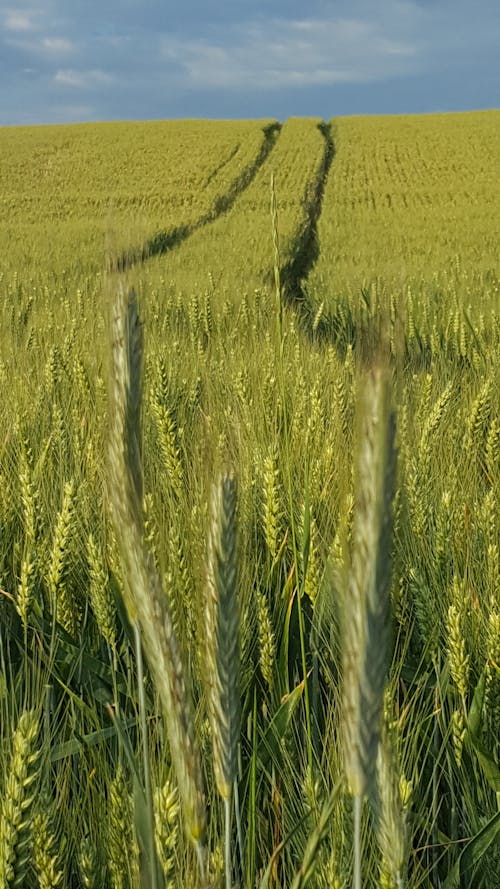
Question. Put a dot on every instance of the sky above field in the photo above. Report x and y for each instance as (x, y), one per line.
(76, 60)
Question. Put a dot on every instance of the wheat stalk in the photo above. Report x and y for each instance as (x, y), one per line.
(143, 593)
(277, 259)
(367, 604)
(222, 623)
(315, 840)
(390, 816)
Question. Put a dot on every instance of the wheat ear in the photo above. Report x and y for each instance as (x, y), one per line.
(90, 868)
(46, 855)
(101, 598)
(122, 848)
(166, 816)
(367, 604)
(16, 811)
(389, 812)
(144, 596)
(62, 597)
(222, 622)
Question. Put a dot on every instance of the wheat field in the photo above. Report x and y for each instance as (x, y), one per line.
(250, 504)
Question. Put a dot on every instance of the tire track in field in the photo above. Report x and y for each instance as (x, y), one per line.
(163, 241)
(216, 170)
(337, 327)
(305, 252)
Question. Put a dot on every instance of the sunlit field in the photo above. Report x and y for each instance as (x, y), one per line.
(250, 504)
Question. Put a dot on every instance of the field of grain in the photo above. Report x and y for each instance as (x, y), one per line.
(73, 194)
(411, 197)
(250, 504)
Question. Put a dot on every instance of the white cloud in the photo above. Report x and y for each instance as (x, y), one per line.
(18, 21)
(307, 52)
(36, 44)
(82, 79)
(57, 45)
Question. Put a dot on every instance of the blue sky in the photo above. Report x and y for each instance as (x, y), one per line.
(75, 60)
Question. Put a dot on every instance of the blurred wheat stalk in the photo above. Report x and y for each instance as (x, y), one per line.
(145, 600)
(223, 628)
(366, 621)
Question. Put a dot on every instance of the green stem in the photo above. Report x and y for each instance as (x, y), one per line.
(147, 771)
(200, 854)
(227, 813)
(435, 780)
(237, 814)
(356, 883)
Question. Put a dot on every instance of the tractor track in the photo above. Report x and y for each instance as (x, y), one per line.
(163, 241)
(337, 326)
(306, 249)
